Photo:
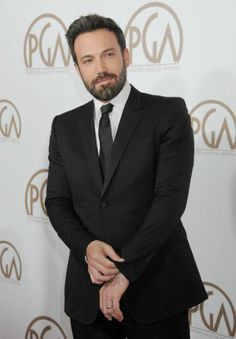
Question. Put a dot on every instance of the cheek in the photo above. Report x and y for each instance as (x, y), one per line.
(86, 75)
(116, 69)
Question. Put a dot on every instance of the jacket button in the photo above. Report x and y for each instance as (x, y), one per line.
(103, 204)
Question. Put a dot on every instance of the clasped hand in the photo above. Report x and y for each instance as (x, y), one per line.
(104, 271)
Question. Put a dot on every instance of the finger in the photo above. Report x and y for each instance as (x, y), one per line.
(101, 299)
(104, 309)
(112, 254)
(98, 277)
(101, 262)
(94, 277)
(102, 278)
(102, 304)
(98, 253)
(116, 311)
(104, 270)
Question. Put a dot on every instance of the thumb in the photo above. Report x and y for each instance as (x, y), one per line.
(113, 255)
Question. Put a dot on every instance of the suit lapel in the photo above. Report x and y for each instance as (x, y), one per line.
(128, 123)
(87, 133)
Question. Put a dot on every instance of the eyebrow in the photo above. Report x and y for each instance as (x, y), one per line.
(105, 51)
(109, 50)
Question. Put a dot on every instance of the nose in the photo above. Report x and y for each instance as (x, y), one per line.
(100, 65)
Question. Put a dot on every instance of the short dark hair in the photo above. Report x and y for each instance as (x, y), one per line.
(90, 23)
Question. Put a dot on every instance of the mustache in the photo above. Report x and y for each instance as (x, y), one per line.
(103, 76)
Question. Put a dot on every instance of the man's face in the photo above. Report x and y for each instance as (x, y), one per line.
(101, 64)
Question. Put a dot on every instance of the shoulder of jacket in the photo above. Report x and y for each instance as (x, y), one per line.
(165, 100)
(75, 112)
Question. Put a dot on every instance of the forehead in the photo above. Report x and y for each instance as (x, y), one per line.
(95, 42)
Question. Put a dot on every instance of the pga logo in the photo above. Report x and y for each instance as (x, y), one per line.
(154, 35)
(10, 121)
(214, 126)
(217, 314)
(44, 327)
(45, 45)
(35, 194)
(10, 262)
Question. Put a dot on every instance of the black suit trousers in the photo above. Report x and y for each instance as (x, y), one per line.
(173, 327)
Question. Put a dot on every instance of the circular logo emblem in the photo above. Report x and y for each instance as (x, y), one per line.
(214, 125)
(10, 262)
(10, 121)
(154, 35)
(45, 44)
(217, 314)
(35, 194)
(44, 328)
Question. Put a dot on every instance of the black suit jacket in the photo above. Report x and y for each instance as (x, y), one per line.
(136, 210)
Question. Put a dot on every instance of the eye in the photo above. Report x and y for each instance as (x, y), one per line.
(110, 54)
(87, 61)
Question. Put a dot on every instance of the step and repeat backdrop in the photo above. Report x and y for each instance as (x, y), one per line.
(178, 48)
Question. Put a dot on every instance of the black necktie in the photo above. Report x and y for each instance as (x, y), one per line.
(105, 138)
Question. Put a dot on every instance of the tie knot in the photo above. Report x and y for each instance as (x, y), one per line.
(106, 108)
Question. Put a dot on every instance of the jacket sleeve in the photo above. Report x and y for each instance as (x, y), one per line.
(59, 204)
(173, 174)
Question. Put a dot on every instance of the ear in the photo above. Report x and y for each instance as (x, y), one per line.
(126, 57)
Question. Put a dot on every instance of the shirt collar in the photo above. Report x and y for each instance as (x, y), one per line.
(118, 101)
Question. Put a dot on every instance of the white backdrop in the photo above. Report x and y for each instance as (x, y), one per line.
(180, 48)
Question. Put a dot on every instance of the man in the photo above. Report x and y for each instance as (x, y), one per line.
(119, 175)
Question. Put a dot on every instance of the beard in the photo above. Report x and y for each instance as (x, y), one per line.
(107, 91)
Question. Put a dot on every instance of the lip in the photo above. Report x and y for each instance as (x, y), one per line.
(103, 81)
